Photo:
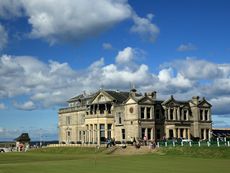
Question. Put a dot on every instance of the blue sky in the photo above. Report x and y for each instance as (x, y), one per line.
(49, 53)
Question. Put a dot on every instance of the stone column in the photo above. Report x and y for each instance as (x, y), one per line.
(174, 132)
(93, 134)
(145, 112)
(187, 115)
(168, 113)
(174, 113)
(98, 134)
(165, 113)
(167, 133)
(178, 114)
(151, 112)
(89, 135)
(112, 131)
(209, 134)
(203, 112)
(106, 130)
(189, 137)
(184, 133)
(152, 134)
(204, 133)
(178, 133)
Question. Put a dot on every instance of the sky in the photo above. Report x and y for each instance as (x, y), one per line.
(50, 52)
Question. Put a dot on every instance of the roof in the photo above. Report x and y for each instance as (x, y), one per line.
(119, 96)
(171, 99)
(221, 132)
(24, 137)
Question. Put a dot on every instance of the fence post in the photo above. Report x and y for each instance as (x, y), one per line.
(182, 144)
(190, 143)
(158, 144)
(173, 143)
(166, 144)
(228, 144)
(199, 143)
(208, 143)
(218, 143)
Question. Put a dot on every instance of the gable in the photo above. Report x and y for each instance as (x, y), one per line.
(145, 100)
(102, 98)
(171, 103)
(205, 104)
(131, 101)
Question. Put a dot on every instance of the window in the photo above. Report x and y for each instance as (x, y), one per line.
(157, 114)
(119, 120)
(148, 112)
(142, 112)
(123, 133)
(201, 114)
(206, 115)
(68, 133)
(202, 133)
(142, 133)
(149, 133)
(171, 114)
(102, 132)
(109, 131)
(185, 114)
(131, 110)
(68, 120)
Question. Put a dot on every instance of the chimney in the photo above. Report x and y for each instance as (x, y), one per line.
(133, 92)
(195, 99)
(152, 95)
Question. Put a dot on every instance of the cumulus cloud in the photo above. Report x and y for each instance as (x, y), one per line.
(126, 55)
(173, 83)
(3, 37)
(10, 8)
(51, 84)
(186, 47)
(145, 28)
(194, 68)
(76, 20)
(68, 20)
(29, 105)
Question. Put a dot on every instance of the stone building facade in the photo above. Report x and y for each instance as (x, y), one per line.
(127, 115)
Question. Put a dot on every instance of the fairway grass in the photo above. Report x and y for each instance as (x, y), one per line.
(82, 160)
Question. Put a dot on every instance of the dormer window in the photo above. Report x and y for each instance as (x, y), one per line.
(201, 114)
(142, 112)
(171, 114)
(206, 115)
(148, 112)
(185, 115)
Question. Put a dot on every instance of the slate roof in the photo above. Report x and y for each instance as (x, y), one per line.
(171, 99)
(119, 96)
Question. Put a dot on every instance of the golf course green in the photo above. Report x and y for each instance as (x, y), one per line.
(91, 160)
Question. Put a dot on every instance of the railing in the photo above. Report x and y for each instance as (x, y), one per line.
(194, 143)
(70, 109)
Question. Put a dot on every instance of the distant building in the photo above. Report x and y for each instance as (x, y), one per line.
(22, 142)
(128, 115)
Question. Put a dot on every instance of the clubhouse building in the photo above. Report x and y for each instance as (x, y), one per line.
(123, 116)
